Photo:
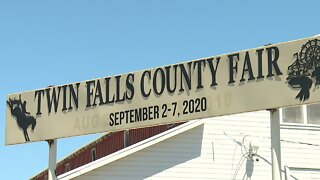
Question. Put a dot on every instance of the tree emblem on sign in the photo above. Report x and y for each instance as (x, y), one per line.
(24, 119)
(305, 69)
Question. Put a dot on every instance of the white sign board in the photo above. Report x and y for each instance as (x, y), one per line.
(272, 76)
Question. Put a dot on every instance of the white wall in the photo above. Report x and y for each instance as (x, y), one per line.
(301, 151)
(230, 134)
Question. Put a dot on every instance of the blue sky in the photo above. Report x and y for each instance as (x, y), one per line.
(58, 42)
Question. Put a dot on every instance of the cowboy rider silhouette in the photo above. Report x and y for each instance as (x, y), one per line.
(23, 106)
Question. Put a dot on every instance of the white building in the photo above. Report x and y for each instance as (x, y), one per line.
(228, 147)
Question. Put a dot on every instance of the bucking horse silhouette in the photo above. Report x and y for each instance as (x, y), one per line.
(24, 119)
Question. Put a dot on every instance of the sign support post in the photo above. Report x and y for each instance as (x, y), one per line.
(52, 159)
(275, 144)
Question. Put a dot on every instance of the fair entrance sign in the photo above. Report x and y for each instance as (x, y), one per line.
(271, 76)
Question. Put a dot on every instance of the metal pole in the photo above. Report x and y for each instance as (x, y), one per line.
(52, 159)
(275, 143)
